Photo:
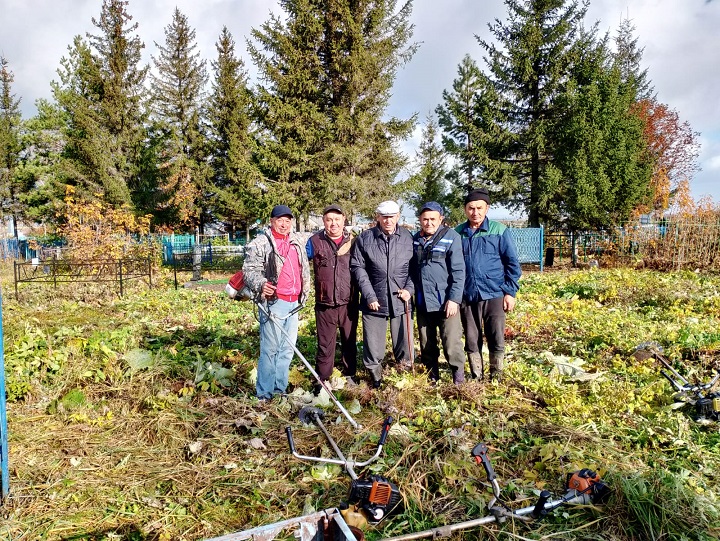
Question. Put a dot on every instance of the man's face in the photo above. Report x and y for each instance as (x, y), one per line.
(475, 212)
(430, 220)
(387, 223)
(282, 225)
(334, 223)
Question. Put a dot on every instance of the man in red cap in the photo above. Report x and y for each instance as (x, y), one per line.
(336, 305)
(276, 268)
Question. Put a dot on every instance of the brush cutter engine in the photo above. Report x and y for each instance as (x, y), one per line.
(586, 483)
(375, 496)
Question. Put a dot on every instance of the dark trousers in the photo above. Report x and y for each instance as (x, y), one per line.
(486, 317)
(451, 336)
(328, 320)
(375, 338)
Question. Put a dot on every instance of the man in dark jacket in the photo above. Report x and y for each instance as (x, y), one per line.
(335, 297)
(380, 265)
(438, 270)
(492, 274)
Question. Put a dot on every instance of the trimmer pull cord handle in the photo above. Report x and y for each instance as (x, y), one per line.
(291, 443)
(480, 452)
(385, 430)
(539, 510)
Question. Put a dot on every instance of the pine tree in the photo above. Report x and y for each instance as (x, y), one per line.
(101, 89)
(10, 145)
(177, 94)
(328, 71)
(235, 178)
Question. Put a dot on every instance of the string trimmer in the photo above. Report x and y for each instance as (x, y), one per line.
(699, 395)
(374, 496)
(582, 487)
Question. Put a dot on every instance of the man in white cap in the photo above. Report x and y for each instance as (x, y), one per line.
(380, 264)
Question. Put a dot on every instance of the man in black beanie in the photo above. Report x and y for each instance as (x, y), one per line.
(492, 274)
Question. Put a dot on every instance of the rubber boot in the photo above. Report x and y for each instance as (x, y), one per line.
(477, 368)
(496, 366)
(458, 376)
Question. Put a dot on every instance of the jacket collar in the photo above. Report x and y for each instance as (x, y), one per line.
(379, 233)
(484, 226)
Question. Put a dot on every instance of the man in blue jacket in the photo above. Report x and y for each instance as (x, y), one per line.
(438, 270)
(380, 265)
(492, 274)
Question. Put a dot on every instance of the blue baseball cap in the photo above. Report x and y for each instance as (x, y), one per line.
(281, 210)
(432, 205)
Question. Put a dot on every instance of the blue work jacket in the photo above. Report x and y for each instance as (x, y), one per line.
(438, 270)
(492, 268)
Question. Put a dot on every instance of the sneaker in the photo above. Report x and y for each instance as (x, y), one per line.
(350, 382)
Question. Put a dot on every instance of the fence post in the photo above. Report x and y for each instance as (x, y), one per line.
(4, 467)
(15, 275)
(197, 262)
(120, 262)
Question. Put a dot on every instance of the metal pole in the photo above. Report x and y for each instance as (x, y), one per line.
(446, 531)
(277, 324)
(3, 417)
(120, 262)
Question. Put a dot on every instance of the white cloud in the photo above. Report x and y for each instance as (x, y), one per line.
(680, 38)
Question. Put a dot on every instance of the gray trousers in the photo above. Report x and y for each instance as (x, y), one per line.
(375, 339)
(451, 336)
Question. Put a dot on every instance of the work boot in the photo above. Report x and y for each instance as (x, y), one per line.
(477, 367)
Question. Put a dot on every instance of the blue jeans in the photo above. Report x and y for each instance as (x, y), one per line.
(276, 349)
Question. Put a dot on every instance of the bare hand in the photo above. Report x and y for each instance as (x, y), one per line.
(374, 306)
(508, 303)
(404, 295)
(268, 289)
(451, 309)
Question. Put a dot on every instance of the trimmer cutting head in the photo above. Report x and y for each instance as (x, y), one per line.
(308, 414)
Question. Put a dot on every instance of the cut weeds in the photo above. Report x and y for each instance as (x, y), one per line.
(135, 418)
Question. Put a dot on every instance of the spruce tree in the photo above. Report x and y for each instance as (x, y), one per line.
(101, 90)
(43, 172)
(236, 194)
(10, 146)
(527, 67)
(327, 74)
(177, 98)
(428, 182)
(458, 116)
(601, 168)
(550, 126)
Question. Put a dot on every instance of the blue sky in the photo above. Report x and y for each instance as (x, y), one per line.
(680, 40)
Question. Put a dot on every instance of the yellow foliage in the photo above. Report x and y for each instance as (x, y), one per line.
(95, 230)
